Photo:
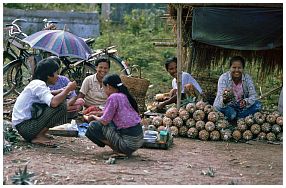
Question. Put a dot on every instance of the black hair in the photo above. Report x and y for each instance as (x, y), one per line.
(237, 58)
(46, 67)
(170, 60)
(115, 81)
(102, 59)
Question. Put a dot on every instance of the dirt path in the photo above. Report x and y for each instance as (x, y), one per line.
(79, 161)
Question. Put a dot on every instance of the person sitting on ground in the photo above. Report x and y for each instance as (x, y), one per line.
(34, 129)
(73, 103)
(236, 95)
(91, 89)
(189, 85)
(119, 127)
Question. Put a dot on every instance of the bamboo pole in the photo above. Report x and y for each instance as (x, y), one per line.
(165, 44)
(179, 54)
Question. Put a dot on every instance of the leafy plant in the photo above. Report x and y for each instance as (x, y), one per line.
(22, 177)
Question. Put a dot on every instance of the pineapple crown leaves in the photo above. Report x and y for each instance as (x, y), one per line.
(11, 135)
(210, 172)
(188, 100)
(22, 177)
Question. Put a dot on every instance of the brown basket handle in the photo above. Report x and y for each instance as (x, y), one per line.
(132, 68)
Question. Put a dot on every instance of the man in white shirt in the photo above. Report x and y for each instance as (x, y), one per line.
(189, 84)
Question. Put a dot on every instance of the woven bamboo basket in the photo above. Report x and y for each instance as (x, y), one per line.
(137, 87)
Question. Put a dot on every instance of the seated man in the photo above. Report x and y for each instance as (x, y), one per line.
(92, 92)
(190, 86)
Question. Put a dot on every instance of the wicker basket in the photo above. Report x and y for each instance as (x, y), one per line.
(137, 87)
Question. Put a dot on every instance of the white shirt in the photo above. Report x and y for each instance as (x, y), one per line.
(36, 91)
(186, 79)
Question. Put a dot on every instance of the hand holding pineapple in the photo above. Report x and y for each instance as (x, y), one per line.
(227, 96)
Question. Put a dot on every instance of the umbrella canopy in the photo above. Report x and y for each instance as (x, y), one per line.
(60, 43)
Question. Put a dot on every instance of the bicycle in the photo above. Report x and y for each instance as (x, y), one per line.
(18, 72)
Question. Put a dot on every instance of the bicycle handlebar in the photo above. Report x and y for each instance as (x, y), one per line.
(15, 29)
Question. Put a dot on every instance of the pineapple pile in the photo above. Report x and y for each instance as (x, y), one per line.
(261, 125)
(199, 120)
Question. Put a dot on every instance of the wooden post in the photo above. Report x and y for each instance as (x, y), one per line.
(179, 54)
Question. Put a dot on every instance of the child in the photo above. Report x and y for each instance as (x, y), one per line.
(119, 126)
(73, 103)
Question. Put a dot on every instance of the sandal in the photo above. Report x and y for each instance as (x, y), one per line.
(48, 144)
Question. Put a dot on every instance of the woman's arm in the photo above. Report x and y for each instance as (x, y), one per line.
(59, 98)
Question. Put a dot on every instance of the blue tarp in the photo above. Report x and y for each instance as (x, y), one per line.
(238, 28)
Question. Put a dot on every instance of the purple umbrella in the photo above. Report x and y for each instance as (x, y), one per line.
(60, 43)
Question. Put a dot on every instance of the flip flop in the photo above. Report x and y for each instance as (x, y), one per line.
(48, 144)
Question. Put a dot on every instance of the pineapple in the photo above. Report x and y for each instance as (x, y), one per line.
(167, 121)
(270, 118)
(279, 120)
(266, 127)
(191, 108)
(174, 131)
(200, 105)
(200, 125)
(259, 118)
(146, 121)
(209, 126)
(172, 113)
(249, 120)
(280, 137)
(225, 134)
(236, 135)
(276, 129)
(228, 95)
(255, 129)
(208, 108)
(276, 114)
(157, 121)
(241, 125)
(193, 132)
(190, 123)
(204, 135)
(270, 136)
(178, 122)
(261, 136)
(183, 131)
(199, 115)
(247, 135)
(213, 117)
(221, 124)
(184, 114)
(215, 135)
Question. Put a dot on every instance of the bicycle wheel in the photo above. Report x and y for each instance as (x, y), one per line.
(7, 58)
(117, 65)
(17, 77)
(78, 73)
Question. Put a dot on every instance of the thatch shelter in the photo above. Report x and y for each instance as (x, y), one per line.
(212, 33)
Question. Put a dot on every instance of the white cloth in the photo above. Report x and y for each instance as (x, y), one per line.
(36, 91)
(280, 102)
(187, 79)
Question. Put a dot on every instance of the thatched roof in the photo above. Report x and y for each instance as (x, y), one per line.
(206, 55)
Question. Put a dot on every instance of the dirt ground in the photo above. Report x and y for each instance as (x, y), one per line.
(79, 161)
(189, 162)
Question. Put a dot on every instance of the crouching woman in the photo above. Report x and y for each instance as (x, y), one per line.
(119, 126)
(34, 129)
